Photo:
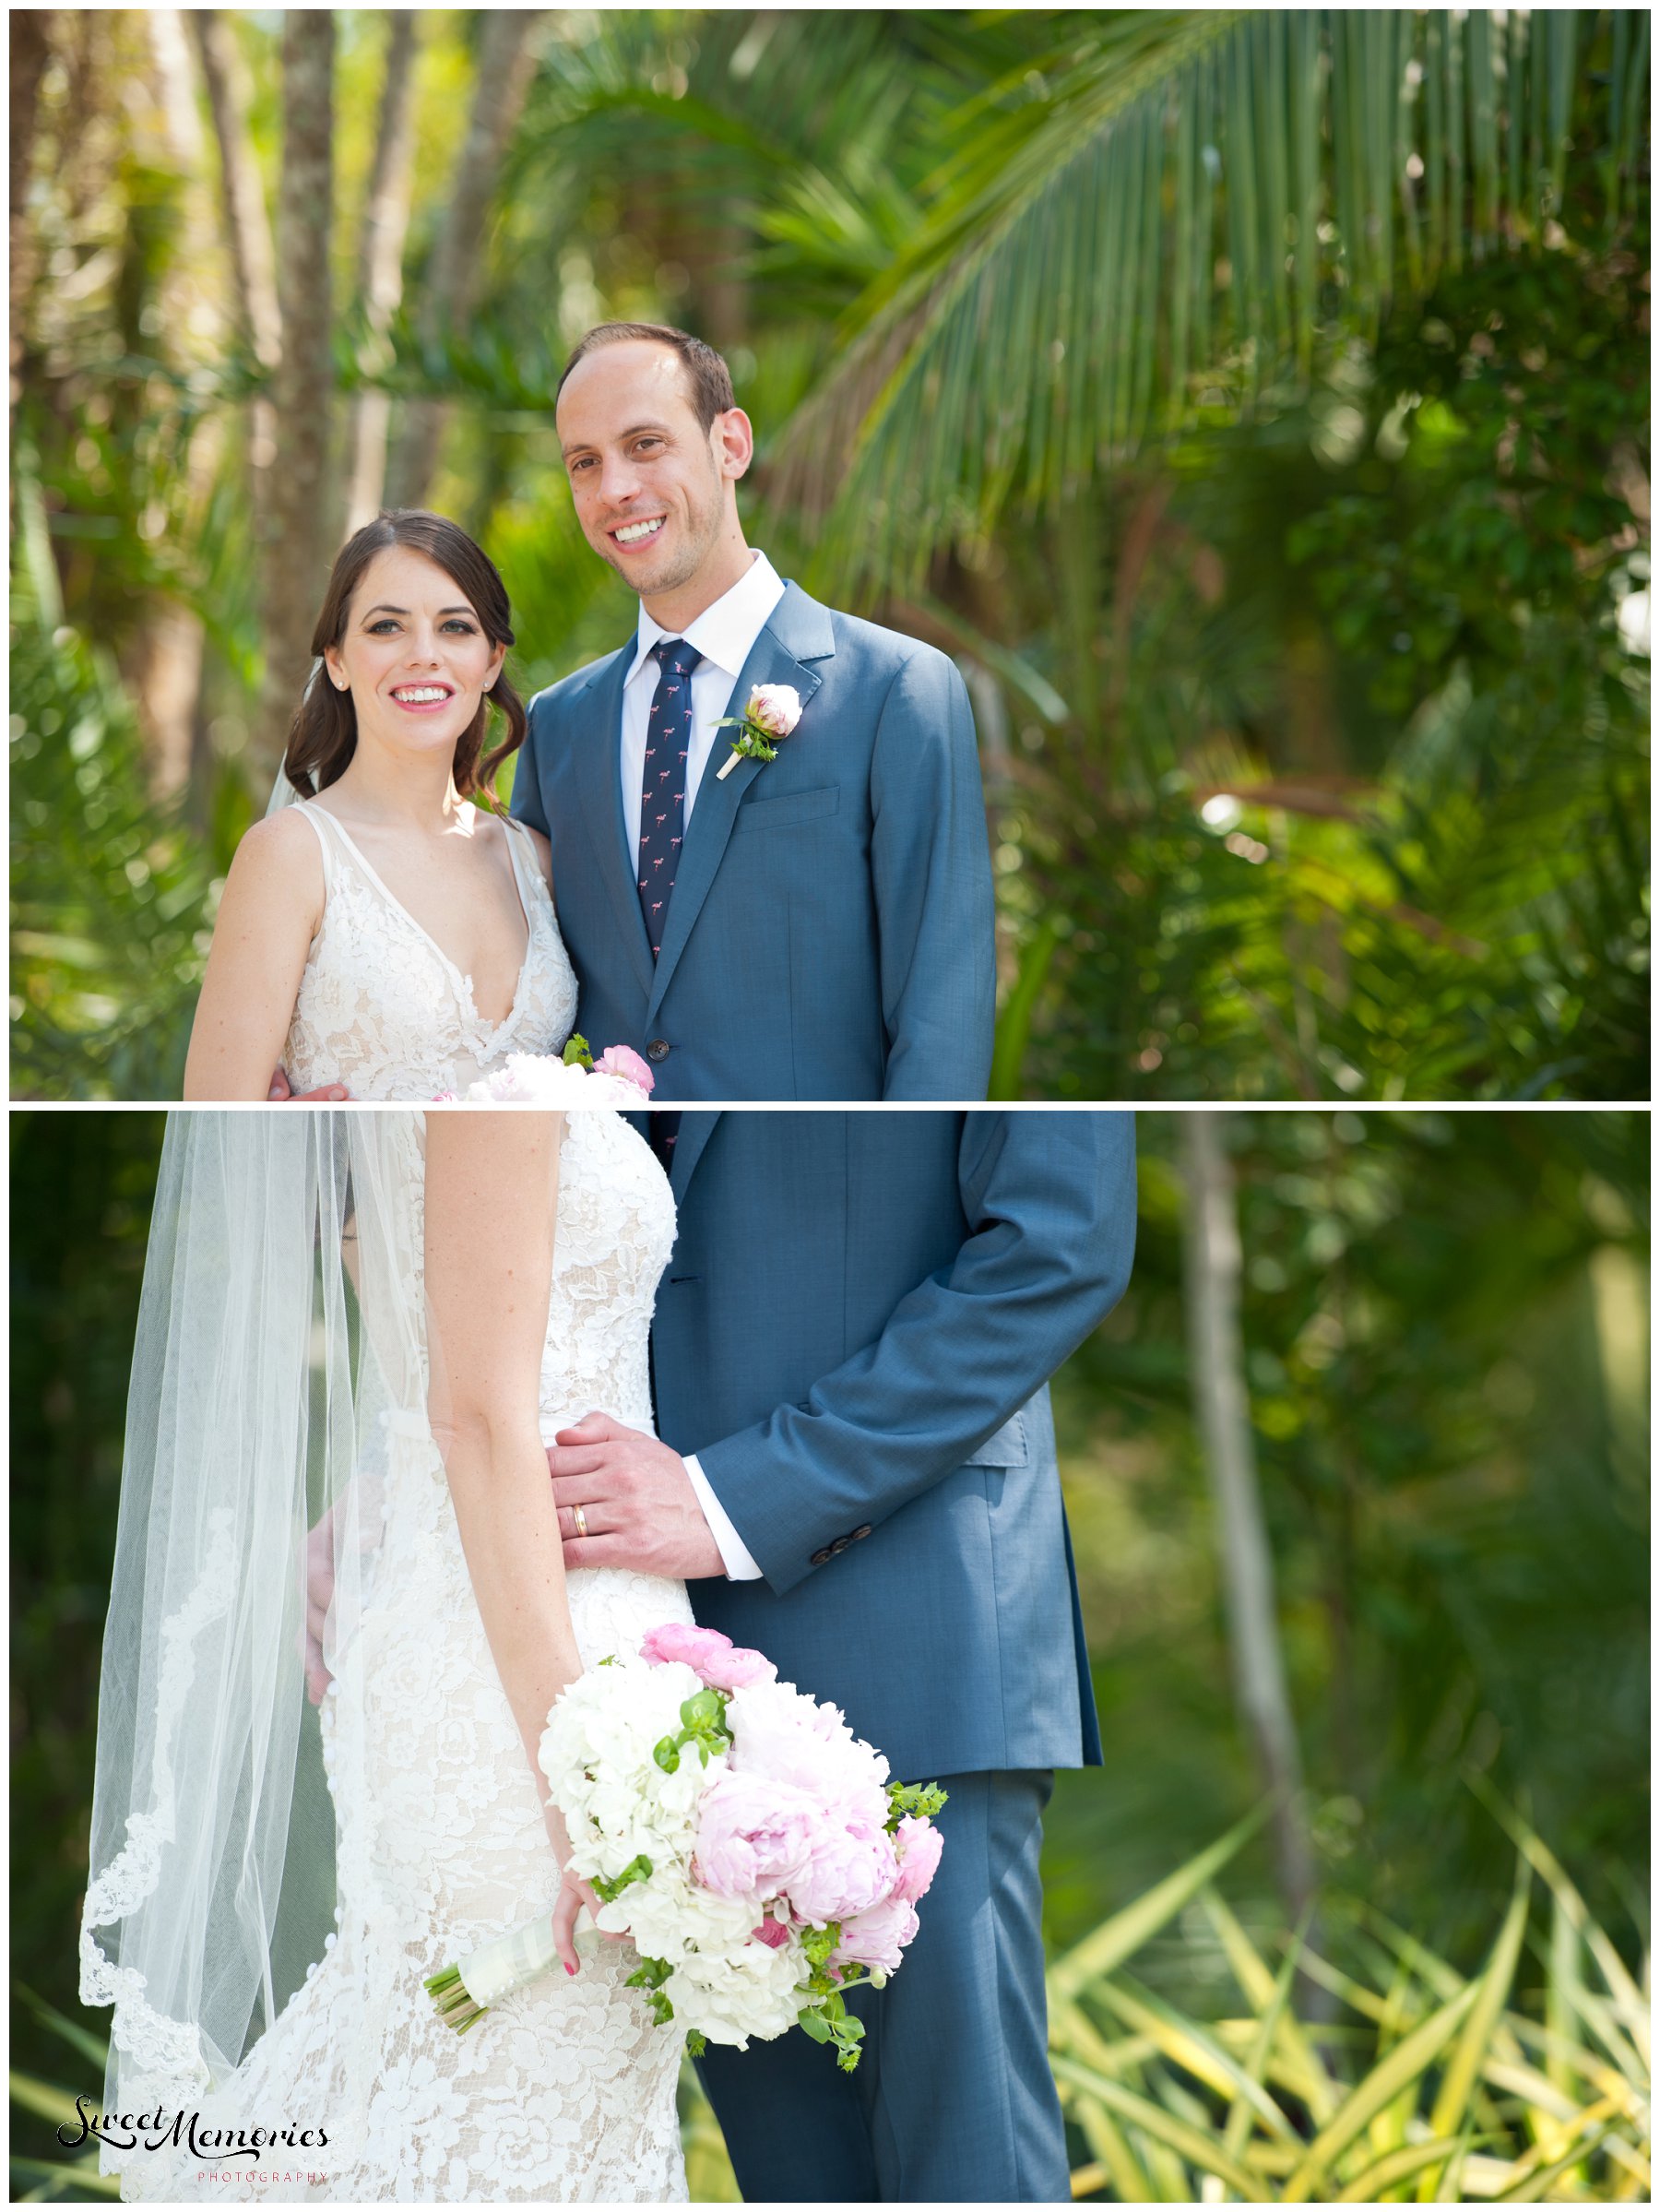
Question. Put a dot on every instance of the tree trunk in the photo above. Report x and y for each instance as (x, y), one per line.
(507, 59)
(380, 265)
(1222, 1405)
(164, 663)
(31, 52)
(247, 232)
(247, 227)
(294, 548)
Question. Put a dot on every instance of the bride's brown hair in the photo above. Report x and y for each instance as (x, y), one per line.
(323, 734)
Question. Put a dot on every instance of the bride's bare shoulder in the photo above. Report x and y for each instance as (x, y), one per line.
(279, 854)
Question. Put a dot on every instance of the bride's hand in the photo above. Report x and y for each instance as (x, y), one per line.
(574, 1894)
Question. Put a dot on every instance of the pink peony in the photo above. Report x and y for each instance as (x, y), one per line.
(773, 1933)
(876, 1937)
(849, 1866)
(776, 707)
(721, 1663)
(753, 1836)
(920, 1844)
(617, 1060)
(736, 1669)
(779, 1733)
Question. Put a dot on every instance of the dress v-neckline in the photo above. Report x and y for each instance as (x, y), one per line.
(487, 1029)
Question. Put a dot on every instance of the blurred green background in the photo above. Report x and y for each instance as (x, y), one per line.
(1256, 404)
(1442, 1354)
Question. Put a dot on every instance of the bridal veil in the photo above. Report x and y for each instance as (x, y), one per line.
(278, 1357)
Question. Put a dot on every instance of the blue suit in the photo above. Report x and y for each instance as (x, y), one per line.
(830, 932)
(854, 1335)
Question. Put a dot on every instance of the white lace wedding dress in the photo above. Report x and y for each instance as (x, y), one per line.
(383, 1010)
(565, 2092)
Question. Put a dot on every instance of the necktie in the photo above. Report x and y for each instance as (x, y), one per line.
(663, 785)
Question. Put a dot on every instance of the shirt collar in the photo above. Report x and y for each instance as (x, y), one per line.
(726, 632)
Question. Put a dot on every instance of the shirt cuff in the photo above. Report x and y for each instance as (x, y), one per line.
(734, 1552)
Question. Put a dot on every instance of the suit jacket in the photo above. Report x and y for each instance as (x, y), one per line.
(830, 934)
(854, 1335)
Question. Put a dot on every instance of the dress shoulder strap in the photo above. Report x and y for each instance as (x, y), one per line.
(317, 817)
(522, 853)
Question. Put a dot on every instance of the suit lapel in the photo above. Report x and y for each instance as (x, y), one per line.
(797, 632)
(599, 789)
(696, 1130)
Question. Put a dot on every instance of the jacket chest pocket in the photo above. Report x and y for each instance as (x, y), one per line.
(785, 811)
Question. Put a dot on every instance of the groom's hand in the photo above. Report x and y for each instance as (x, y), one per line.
(281, 1092)
(637, 1502)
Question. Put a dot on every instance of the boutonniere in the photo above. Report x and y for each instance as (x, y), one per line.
(773, 712)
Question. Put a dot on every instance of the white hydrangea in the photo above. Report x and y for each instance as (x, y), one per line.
(597, 1753)
(728, 1998)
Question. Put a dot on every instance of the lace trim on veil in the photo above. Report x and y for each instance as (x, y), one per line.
(155, 2043)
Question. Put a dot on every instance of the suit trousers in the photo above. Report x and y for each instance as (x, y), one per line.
(952, 2100)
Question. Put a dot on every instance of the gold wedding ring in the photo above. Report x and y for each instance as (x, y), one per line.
(580, 1518)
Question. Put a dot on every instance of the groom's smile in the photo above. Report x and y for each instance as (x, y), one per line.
(630, 534)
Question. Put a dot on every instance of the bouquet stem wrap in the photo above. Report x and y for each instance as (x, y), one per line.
(464, 1991)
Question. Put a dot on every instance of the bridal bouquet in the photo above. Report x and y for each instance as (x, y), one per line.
(619, 1078)
(749, 1842)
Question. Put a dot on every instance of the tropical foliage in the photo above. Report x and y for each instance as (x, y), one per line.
(1254, 402)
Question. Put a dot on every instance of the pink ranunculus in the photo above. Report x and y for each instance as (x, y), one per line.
(679, 1640)
(722, 1664)
(443, 1098)
(753, 1836)
(849, 1866)
(919, 1844)
(776, 707)
(773, 1933)
(876, 1937)
(617, 1060)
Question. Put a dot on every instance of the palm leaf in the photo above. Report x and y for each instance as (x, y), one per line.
(1121, 1936)
(1074, 279)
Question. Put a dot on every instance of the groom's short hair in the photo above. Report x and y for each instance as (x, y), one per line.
(709, 380)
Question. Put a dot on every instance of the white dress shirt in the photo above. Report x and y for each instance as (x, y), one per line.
(724, 633)
(735, 1554)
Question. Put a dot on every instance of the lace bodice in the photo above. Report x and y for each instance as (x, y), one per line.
(565, 2092)
(383, 1010)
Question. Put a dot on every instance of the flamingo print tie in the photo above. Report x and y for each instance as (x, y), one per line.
(663, 785)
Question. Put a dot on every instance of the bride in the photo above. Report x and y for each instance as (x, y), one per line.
(385, 937)
(356, 1334)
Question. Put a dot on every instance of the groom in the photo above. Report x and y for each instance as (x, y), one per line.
(852, 1343)
(818, 926)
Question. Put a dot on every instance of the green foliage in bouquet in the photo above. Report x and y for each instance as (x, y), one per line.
(703, 1723)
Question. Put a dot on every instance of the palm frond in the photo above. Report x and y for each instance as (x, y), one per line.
(1181, 209)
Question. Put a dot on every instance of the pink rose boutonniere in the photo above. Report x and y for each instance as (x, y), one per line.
(773, 712)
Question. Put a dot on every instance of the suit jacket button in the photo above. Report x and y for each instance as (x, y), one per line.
(657, 1049)
(841, 1543)
(819, 1557)
(858, 1534)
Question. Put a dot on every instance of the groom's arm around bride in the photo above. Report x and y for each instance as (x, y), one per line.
(814, 925)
